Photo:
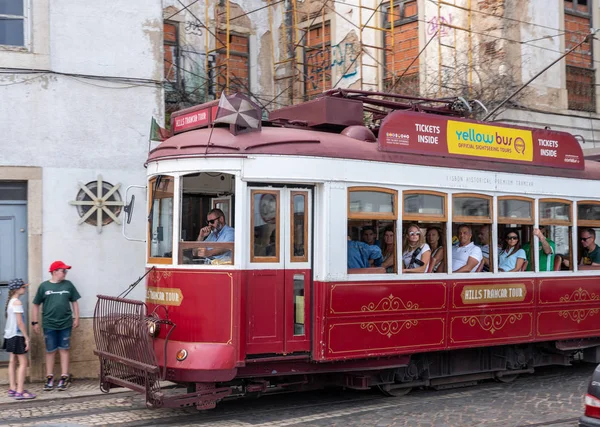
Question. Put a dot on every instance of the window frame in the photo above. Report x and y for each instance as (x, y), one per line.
(460, 219)
(293, 194)
(591, 223)
(521, 221)
(393, 216)
(265, 259)
(551, 221)
(26, 28)
(151, 259)
(425, 217)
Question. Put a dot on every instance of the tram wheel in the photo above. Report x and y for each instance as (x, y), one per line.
(507, 378)
(389, 390)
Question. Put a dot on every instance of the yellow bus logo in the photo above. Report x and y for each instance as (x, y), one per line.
(473, 139)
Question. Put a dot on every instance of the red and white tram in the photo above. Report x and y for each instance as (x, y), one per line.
(279, 309)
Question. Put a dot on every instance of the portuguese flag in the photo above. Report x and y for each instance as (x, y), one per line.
(156, 132)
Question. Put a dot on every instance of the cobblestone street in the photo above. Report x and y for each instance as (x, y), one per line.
(552, 396)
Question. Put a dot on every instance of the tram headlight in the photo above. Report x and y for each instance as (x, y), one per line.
(153, 327)
(181, 355)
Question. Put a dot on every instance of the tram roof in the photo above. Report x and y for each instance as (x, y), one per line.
(313, 143)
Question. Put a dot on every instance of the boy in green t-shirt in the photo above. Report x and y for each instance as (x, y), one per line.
(546, 251)
(57, 296)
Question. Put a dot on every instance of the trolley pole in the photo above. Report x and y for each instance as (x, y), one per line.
(516, 92)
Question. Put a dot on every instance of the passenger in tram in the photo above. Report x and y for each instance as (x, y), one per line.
(387, 250)
(438, 254)
(416, 254)
(466, 257)
(215, 231)
(546, 251)
(369, 236)
(590, 255)
(512, 257)
(485, 240)
(360, 253)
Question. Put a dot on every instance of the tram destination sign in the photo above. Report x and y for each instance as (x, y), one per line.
(194, 118)
(429, 134)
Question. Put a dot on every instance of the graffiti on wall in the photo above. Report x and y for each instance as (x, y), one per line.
(341, 58)
(441, 24)
(194, 27)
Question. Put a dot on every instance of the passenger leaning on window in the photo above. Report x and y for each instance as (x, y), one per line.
(466, 257)
(415, 252)
(360, 254)
(512, 257)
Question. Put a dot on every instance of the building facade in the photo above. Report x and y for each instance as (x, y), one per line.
(79, 84)
(286, 52)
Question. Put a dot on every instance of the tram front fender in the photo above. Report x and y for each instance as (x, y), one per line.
(205, 362)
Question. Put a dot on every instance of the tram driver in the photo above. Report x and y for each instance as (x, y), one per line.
(466, 257)
(215, 231)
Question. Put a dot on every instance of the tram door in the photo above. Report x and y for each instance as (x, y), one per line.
(278, 287)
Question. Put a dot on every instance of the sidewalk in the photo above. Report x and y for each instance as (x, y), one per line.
(78, 388)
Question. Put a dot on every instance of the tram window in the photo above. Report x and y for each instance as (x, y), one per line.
(161, 219)
(555, 220)
(472, 251)
(207, 196)
(427, 211)
(265, 226)
(299, 225)
(299, 304)
(588, 221)
(372, 213)
(515, 231)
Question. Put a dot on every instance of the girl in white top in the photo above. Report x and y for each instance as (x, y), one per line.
(16, 340)
(415, 252)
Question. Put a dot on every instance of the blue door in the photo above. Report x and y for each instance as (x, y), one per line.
(13, 251)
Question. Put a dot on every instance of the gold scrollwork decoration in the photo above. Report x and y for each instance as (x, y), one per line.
(157, 275)
(580, 295)
(390, 303)
(578, 315)
(492, 322)
(389, 328)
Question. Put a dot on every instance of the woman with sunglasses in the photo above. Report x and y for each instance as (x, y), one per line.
(512, 257)
(415, 252)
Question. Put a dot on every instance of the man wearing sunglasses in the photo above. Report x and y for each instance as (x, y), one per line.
(591, 252)
(215, 231)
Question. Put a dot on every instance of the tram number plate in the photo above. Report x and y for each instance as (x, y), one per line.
(484, 294)
(164, 296)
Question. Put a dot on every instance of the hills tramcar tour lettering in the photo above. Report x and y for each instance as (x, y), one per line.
(165, 296)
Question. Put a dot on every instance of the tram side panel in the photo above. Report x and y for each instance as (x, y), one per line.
(372, 319)
(204, 305)
(568, 307)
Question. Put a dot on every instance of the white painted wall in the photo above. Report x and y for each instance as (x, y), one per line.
(76, 128)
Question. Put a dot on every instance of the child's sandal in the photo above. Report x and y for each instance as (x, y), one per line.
(11, 393)
(24, 396)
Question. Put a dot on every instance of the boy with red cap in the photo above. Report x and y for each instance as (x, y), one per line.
(57, 295)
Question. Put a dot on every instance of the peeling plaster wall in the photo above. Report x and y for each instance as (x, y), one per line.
(76, 128)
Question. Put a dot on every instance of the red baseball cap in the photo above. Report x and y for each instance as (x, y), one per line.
(58, 265)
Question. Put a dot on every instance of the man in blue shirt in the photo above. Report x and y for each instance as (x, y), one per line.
(215, 231)
(359, 254)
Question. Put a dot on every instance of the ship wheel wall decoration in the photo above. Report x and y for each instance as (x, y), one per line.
(100, 198)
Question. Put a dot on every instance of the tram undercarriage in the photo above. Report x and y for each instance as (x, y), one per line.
(127, 359)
